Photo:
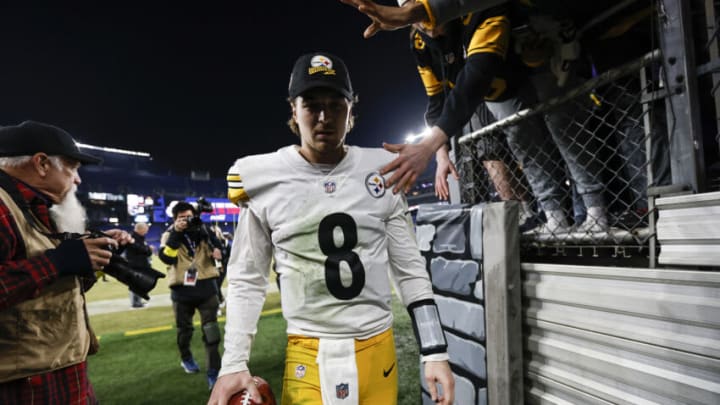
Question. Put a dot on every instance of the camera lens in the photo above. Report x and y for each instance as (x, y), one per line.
(139, 280)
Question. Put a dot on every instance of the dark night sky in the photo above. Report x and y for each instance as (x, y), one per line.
(199, 85)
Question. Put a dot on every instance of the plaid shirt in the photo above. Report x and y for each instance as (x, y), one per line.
(22, 279)
(67, 386)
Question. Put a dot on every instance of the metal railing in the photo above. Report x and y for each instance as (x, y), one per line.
(584, 176)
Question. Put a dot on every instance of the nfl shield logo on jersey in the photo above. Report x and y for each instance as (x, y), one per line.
(330, 186)
(342, 390)
(375, 184)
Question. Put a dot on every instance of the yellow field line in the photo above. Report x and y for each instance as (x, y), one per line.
(147, 330)
(196, 323)
(271, 311)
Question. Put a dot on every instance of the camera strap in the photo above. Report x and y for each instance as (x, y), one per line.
(191, 245)
(6, 184)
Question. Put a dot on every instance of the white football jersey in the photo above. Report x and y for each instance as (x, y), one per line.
(334, 233)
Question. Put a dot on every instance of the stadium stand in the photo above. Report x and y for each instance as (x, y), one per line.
(105, 188)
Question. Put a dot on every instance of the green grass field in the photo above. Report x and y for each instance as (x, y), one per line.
(138, 361)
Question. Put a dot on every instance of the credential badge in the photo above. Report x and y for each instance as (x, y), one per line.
(375, 184)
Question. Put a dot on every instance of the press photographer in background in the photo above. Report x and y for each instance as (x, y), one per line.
(138, 256)
(191, 250)
(47, 262)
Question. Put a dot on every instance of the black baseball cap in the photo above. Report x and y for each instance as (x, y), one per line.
(30, 137)
(320, 69)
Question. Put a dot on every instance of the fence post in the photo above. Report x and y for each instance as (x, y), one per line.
(683, 104)
(503, 304)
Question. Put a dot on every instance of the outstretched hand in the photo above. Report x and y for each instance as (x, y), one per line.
(388, 18)
(412, 160)
(444, 168)
(408, 166)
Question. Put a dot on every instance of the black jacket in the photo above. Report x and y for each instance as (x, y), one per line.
(138, 252)
(457, 84)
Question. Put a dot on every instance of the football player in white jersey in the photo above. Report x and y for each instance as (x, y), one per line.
(338, 240)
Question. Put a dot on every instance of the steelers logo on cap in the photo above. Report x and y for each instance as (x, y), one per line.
(321, 64)
(321, 60)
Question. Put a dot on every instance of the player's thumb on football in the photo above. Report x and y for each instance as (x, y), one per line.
(255, 396)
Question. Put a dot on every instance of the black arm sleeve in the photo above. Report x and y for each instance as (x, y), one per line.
(435, 87)
(434, 109)
(427, 327)
(473, 84)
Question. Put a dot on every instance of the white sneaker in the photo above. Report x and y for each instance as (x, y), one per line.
(596, 220)
(556, 223)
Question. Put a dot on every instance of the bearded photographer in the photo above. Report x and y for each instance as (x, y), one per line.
(45, 268)
(190, 251)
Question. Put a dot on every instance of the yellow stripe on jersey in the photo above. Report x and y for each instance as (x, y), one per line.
(236, 190)
(431, 21)
(492, 36)
(432, 85)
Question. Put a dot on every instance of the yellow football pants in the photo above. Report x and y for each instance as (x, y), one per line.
(376, 364)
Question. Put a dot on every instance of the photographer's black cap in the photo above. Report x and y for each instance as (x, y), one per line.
(320, 69)
(30, 137)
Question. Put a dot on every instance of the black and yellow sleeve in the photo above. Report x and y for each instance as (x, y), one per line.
(236, 190)
(491, 36)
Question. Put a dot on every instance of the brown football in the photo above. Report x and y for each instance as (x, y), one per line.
(267, 396)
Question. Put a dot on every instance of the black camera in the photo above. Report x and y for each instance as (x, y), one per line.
(140, 280)
(204, 205)
(195, 223)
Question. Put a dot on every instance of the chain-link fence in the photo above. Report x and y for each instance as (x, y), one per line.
(580, 163)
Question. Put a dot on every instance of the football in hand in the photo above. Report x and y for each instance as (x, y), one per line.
(266, 395)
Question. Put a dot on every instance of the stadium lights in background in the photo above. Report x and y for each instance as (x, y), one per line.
(113, 150)
(412, 138)
(422, 187)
